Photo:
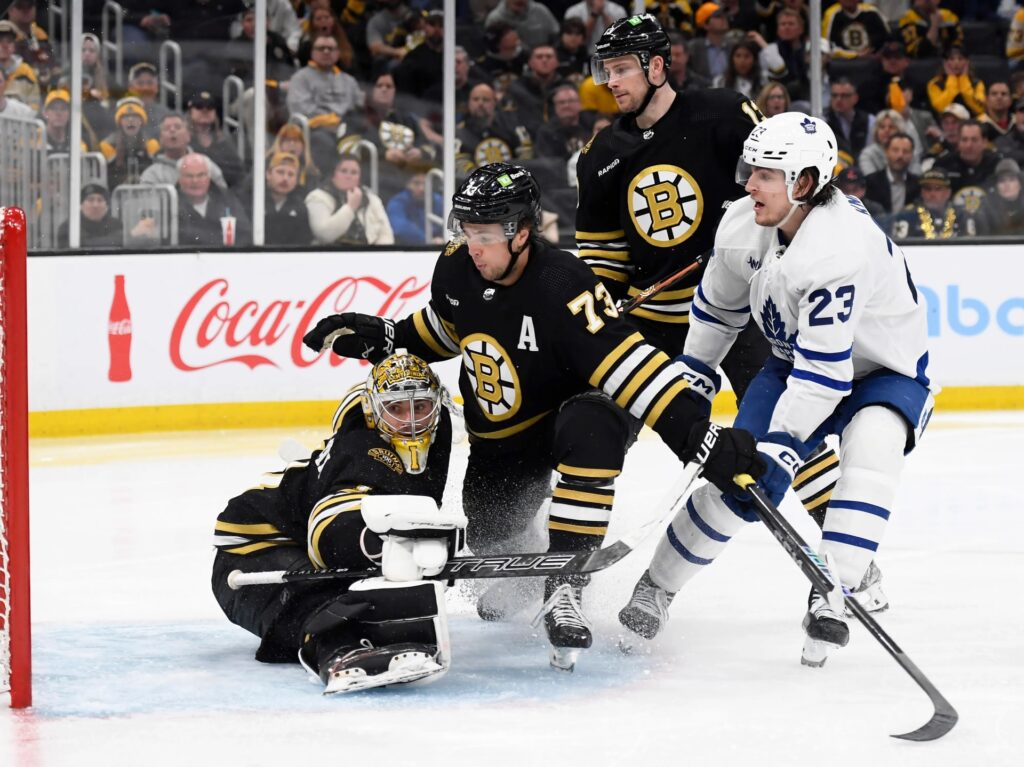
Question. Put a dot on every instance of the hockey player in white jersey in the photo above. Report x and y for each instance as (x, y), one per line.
(834, 297)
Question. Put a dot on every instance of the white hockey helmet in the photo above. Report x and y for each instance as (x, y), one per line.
(791, 142)
(403, 403)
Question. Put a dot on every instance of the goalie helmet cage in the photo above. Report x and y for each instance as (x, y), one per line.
(15, 630)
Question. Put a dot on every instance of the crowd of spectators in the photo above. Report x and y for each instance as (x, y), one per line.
(926, 99)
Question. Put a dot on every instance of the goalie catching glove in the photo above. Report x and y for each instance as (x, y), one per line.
(418, 537)
(360, 336)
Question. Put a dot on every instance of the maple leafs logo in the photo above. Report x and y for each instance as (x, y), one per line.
(775, 329)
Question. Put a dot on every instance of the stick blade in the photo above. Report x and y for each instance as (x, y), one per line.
(942, 721)
(606, 557)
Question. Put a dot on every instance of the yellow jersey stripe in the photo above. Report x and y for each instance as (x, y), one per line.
(254, 547)
(663, 400)
(815, 470)
(254, 529)
(613, 357)
(611, 275)
(676, 319)
(611, 255)
(427, 336)
(616, 235)
(334, 500)
(502, 433)
(577, 528)
(578, 471)
(578, 495)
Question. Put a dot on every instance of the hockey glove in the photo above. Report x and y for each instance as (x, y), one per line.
(361, 336)
(723, 453)
(704, 382)
(782, 454)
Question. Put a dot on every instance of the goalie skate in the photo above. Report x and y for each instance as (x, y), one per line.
(568, 629)
(368, 667)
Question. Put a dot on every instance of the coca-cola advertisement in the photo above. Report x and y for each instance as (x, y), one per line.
(209, 328)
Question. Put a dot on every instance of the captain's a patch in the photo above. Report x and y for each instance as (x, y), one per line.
(387, 458)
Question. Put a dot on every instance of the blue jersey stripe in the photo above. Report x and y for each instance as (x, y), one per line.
(695, 311)
(684, 552)
(850, 540)
(821, 380)
(703, 526)
(700, 293)
(807, 354)
(869, 508)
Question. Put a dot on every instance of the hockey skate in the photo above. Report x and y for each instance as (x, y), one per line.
(367, 666)
(568, 629)
(869, 593)
(825, 628)
(647, 611)
(506, 597)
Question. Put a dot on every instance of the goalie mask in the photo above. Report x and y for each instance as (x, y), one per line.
(403, 403)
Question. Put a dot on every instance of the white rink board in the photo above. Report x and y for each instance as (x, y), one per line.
(227, 327)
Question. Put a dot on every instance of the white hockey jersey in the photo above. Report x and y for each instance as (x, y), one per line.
(838, 302)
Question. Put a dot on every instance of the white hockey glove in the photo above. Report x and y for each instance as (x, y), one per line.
(703, 380)
(416, 534)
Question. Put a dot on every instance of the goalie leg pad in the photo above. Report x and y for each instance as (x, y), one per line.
(380, 633)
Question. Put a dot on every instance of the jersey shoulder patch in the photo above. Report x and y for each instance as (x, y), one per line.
(454, 244)
(388, 458)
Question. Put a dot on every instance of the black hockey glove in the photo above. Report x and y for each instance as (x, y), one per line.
(362, 336)
(723, 453)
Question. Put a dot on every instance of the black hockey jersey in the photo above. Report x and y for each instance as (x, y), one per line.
(528, 347)
(296, 506)
(650, 199)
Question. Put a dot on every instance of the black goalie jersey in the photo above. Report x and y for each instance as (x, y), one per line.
(316, 503)
(528, 347)
(649, 200)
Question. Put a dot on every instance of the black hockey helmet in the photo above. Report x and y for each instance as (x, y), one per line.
(499, 193)
(641, 35)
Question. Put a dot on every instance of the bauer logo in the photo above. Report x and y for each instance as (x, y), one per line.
(953, 311)
(218, 325)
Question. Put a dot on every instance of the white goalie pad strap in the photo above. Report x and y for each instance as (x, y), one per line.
(410, 514)
(411, 559)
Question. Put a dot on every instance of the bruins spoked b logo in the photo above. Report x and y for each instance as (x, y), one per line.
(665, 204)
(495, 382)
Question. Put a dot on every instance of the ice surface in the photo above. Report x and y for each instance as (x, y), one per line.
(135, 665)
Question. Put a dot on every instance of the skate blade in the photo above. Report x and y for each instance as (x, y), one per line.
(564, 658)
(815, 653)
(411, 669)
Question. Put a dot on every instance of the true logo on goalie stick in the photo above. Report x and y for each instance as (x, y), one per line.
(665, 205)
(386, 457)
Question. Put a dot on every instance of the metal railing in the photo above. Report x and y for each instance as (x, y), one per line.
(58, 22)
(113, 39)
(157, 202)
(58, 175)
(365, 150)
(24, 177)
(231, 97)
(170, 53)
(429, 217)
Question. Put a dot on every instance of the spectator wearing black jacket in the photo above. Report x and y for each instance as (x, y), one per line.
(98, 228)
(285, 219)
(893, 187)
(202, 205)
(209, 139)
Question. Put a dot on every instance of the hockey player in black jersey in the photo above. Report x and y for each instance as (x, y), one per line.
(652, 189)
(549, 371)
(369, 496)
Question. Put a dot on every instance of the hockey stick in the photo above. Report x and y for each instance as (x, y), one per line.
(502, 565)
(643, 295)
(945, 716)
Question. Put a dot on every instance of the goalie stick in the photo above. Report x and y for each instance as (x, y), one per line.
(503, 565)
(945, 716)
(627, 306)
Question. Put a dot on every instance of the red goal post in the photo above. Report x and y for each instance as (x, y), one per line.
(15, 614)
